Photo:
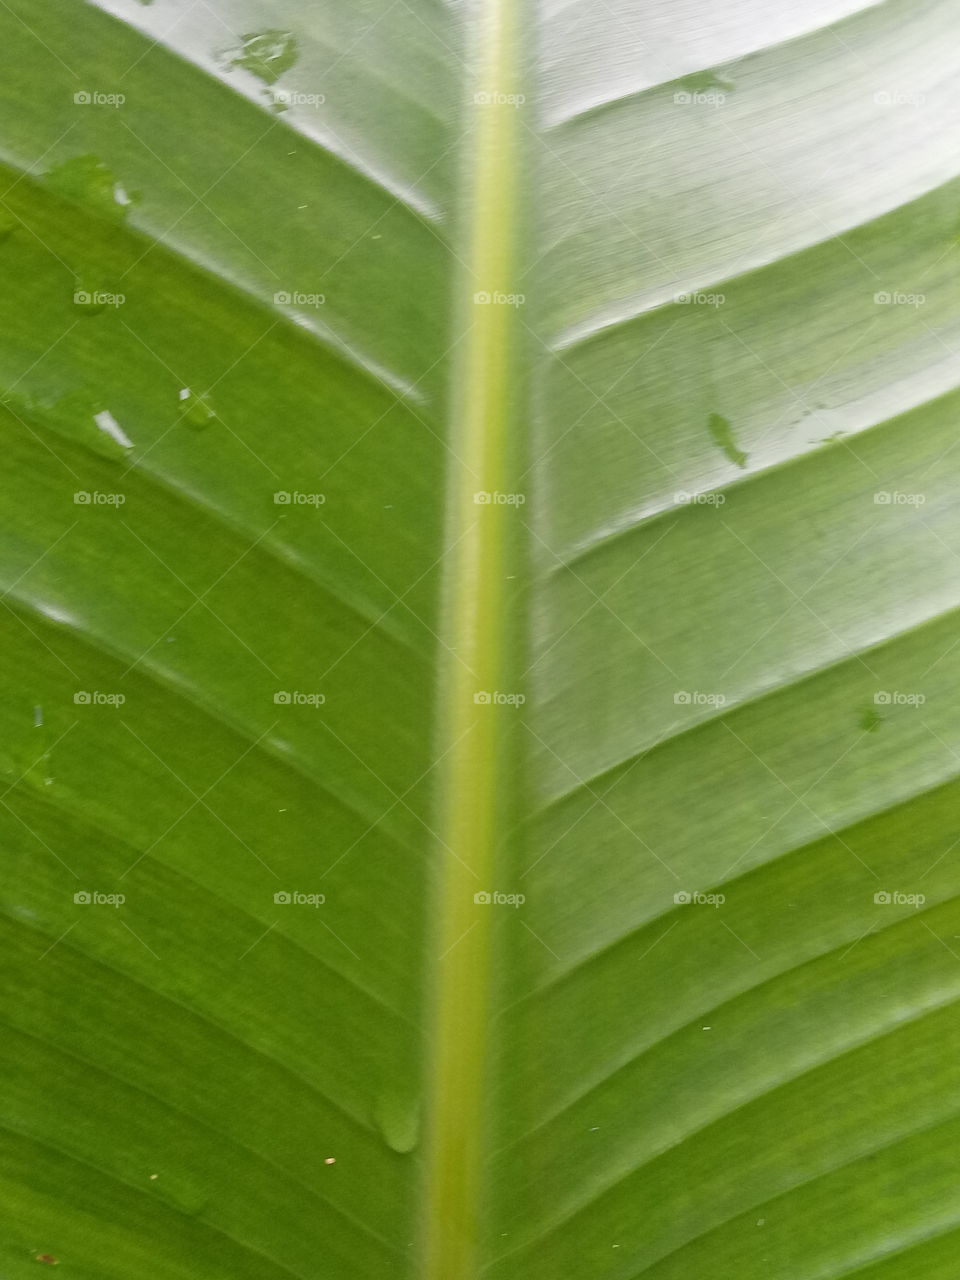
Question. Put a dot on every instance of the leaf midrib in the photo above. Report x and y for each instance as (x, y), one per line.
(473, 740)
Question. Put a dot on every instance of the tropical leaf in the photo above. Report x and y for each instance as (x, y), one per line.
(479, 740)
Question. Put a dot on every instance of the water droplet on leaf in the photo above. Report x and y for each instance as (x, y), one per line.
(75, 417)
(87, 180)
(398, 1119)
(28, 762)
(266, 54)
(197, 410)
(722, 434)
(108, 423)
(702, 81)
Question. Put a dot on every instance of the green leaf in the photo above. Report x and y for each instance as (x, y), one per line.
(478, 726)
